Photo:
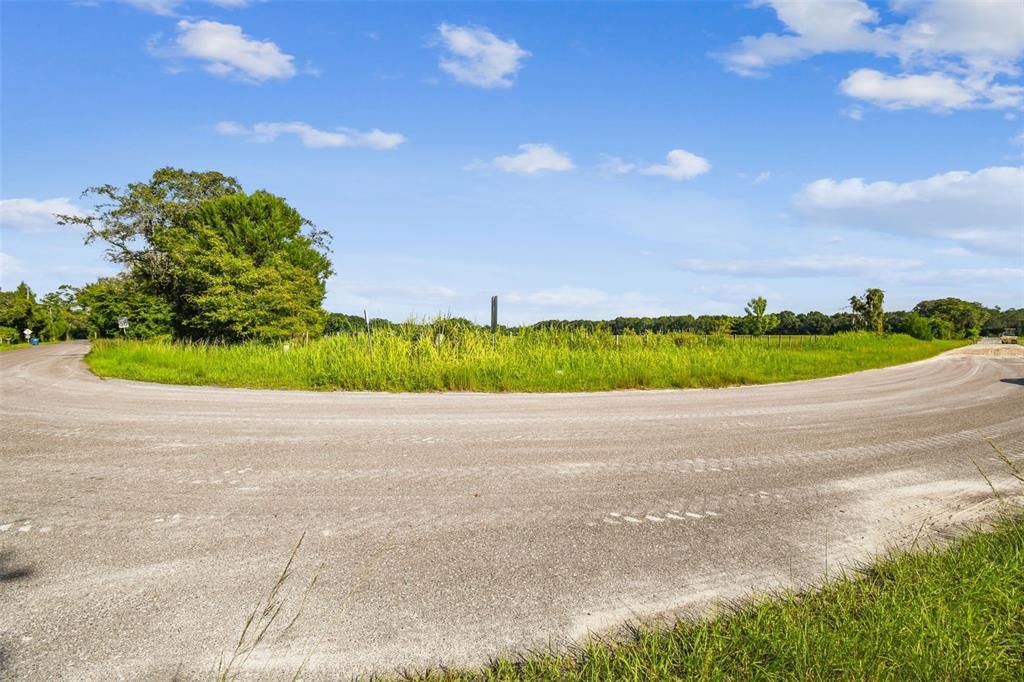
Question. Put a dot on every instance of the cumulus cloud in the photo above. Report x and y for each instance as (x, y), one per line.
(35, 215)
(680, 165)
(11, 271)
(614, 165)
(581, 298)
(532, 158)
(799, 266)
(980, 210)
(226, 51)
(933, 91)
(310, 136)
(475, 56)
(169, 8)
(951, 54)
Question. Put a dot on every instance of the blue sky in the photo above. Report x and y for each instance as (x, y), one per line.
(578, 160)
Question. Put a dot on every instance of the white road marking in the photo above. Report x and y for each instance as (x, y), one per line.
(6, 526)
(26, 528)
(694, 516)
(631, 519)
(674, 517)
(653, 518)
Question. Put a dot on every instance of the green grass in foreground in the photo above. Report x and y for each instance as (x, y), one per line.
(955, 613)
(530, 360)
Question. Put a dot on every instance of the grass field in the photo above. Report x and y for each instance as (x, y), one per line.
(943, 614)
(409, 359)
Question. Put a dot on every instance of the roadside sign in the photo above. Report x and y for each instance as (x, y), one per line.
(122, 323)
(494, 314)
(27, 333)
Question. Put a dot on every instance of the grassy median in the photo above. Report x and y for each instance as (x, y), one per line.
(528, 360)
(955, 613)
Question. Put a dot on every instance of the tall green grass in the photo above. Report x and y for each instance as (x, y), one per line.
(441, 358)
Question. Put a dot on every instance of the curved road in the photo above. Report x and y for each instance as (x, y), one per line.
(139, 523)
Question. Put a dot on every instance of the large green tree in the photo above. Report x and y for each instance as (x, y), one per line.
(209, 260)
(757, 321)
(869, 311)
(242, 267)
(126, 218)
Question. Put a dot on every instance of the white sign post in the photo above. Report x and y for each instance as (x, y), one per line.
(122, 324)
(27, 333)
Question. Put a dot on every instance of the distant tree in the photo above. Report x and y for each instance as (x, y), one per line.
(1000, 320)
(868, 310)
(16, 307)
(107, 299)
(788, 323)
(918, 326)
(814, 322)
(240, 267)
(941, 328)
(339, 323)
(843, 322)
(965, 319)
(757, 321)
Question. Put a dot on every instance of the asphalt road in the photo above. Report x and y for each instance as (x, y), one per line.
(140, 523)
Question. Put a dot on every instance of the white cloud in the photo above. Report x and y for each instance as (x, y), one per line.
(226, 51)
(979, 210)
(814, 27)
(953, 251)
(593, 301)
(963, 277)
(35, 215)
(613, 165)
(680, 165)
(799, 266)
(933, 91)
(564, 296)
(1018, 138)
(951, 53)
(164, 8)
(763, 176)
(531, 159)
(310, 136)
(11, 271)
(169, 8)
(475, 56)
(372, 292)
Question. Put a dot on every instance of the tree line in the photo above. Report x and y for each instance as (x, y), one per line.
(202, 259)
(947, 318)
